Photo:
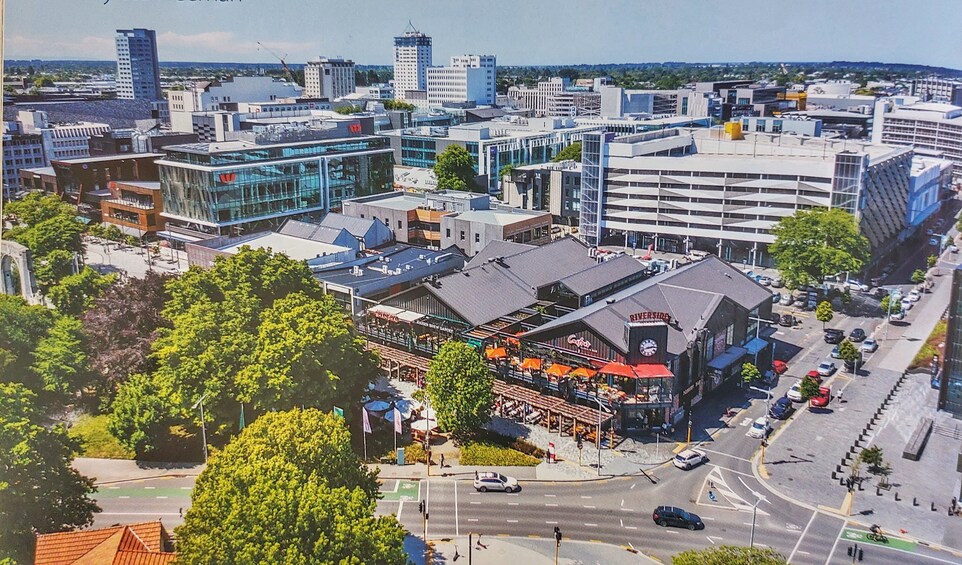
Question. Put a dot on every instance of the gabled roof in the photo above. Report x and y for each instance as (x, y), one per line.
(542, 265)
(358, 227)
(135, 544)
(603, 274)
(498, 248)
(313, 232)
(482, 294)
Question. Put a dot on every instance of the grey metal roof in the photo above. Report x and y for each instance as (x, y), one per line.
(372, 280)
(117, 113)
(545, 264)
(690, 294)
(482, 294)
(498, 248)
(307, 230)
(605, 273)
(358, 227)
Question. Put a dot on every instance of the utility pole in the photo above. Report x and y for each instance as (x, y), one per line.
(557, 543)
(203, 423)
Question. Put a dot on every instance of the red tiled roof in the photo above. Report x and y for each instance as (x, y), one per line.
(135, 544)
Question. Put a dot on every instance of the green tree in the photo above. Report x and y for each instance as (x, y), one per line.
(54, 267)
(824, 313)
(39, 491)
(809, 387)
(918, 276)
(349, 109)
(36, 207)
(398, 105)
(750, 373)
(142, 414)
(460, 388)
(75, 293)
(571, 152)
(729, 555)
(931, 260)
(818, 242)
(22, 326)
(289, 489)
(305, 354)
(60, 359)
(887, 302)
(849, 354)
(454, 169)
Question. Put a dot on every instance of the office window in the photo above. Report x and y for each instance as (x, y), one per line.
(447, 232)
(477, 238)
(462, 235)
(399, 224)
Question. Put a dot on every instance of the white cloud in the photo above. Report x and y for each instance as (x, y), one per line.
(196, 47)
(39, 47)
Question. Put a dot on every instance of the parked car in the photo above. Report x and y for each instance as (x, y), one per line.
(485, 481)
(953, 248)
(914, 295)
(763, 280)
(786, 320)
(836, 354)
(782, 408)
(800, 303)
(779, 366)
(776, 297)
(896, 294)
(769, 379)
(813, 374)
(822, 398)
(689, 458)
(907, 304)
(856, 286)
(674, 516)
(857, 335)
(833, 335)
(877, 280)
(897, 316)
(826, 368)
(869, 346)
(880, 293)
(777, 282)
(760, 428)
(786, 300)
(811, 305)
(795, 392)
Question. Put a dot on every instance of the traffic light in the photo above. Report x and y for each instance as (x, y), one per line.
(557, 534)
(855, 552)
(421, 507)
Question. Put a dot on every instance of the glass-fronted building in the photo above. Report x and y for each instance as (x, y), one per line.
(950, 387)
(208, 187)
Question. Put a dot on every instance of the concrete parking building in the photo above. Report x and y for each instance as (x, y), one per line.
(923, 125)
(722, 192)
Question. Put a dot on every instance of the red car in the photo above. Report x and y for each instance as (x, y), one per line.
(821, 399)
(813, 374)
(779, 366)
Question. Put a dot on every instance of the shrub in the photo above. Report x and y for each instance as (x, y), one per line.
(96, 440)
(487, 454)
(413, 453)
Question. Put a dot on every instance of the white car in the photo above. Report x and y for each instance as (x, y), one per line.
(486, 481)
(897, 316)
(914, 296)
(760, 428)
(857, 286)
(869, 346)
(689, 458)
(826, 368)
(786, 300)
(907, 304)
(795, 393)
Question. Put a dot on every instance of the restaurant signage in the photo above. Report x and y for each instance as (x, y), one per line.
(646, 316)
(580, 342)
(385, 316)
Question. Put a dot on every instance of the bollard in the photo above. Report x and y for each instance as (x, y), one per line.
(896, 496)
(878, 491)
(915, 501)
(834, 475)
(933, 507)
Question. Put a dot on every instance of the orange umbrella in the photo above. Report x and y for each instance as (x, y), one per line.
(512, 341)
(558, 370)
(531, 364)
(584, 372)
(496, 353)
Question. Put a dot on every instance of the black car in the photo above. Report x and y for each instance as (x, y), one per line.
(781, 409)
(858, 334)
(786, 320)
(834, 336)
(674, 516)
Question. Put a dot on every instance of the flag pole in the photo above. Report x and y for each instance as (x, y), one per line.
(365, 447)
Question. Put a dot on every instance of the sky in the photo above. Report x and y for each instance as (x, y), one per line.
(518, 32)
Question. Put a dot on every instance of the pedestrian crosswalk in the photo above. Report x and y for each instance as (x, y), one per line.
(719, 493)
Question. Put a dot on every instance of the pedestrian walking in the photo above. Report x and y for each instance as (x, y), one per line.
(840, 396)
(181, 512)
(442, 461)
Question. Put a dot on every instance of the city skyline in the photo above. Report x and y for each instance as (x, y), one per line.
(566, 32)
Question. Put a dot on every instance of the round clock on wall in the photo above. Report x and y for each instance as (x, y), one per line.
(648, 347)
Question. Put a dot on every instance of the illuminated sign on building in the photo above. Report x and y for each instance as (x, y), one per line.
(646, 316)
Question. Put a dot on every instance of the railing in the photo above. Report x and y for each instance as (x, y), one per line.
(576, 395)
(401, 339)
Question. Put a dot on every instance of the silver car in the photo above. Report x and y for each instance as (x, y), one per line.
(486, 481)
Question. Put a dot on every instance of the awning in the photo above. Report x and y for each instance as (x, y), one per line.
(496, 353)
(641, 371)
(177, 236)
(558, 370)
(584, 372)
(727, 358)
(618, 369)
(755, 345)
(531, 364)
(409, 316)
(393, 314)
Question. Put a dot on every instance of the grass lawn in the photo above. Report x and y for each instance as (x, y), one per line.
(97, 441)
(923, 359)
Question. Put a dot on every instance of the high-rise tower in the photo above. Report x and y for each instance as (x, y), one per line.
(412, 57)
(138, 71)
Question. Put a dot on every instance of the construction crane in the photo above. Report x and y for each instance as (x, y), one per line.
(287, 70)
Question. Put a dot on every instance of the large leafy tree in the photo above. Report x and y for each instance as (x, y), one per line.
(305, 354)
(824, 312)
(818, 242)
(75, 293)
(60, 359)
(39, 491)
(454, 169)
(142, 414)
(22, 326)
(120, 327)
(460, 387)
(571, 152)
(289, 489)
(729, 555)
(50, 229)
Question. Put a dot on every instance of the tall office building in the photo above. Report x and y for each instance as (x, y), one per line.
(138, 71)
(328, 78)
(412, 57)
(950, 389)
(489, 64)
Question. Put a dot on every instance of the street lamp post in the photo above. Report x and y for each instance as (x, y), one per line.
(598, 434)
(888, 313)
(758, 499)
(203, 423)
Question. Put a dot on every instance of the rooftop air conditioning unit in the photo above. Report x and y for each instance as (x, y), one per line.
(421, 257)
(384, 269)
(408, 267)
(397, 271)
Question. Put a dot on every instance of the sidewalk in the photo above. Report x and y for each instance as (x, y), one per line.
(116, 470)
(497, 550)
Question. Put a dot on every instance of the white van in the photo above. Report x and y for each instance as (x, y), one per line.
(696, 255)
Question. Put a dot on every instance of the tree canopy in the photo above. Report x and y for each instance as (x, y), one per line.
(454, 169)
(49, 228)
(460, 388)
(22, 326)
(887, 303)
(75, 293)
(818, 242)
(39, 491)
(824, 313)
(729, 555)
(750, 372)
(571, 152)
(289, 489)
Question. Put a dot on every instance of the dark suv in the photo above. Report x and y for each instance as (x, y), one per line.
(674, 516)
(857, 335)
(834, 336)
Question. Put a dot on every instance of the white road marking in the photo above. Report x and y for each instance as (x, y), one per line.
(707, 518)
(150, 488)
(186, 488)
(472, 519)
(585, 497)
(838, 538)
(549, 504)
(801, 537)
(628, 509)
(113, 488)
(551, 495)
(633, 485)
(160, 497)
(513, 503)
(622, 501)
(549, 522)
(512, 521)
(592, 525)
(631, 528)
(123, 497)
(457, 529)
(590, 506)
(137, 514)
(671, 532)
(474, 502)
